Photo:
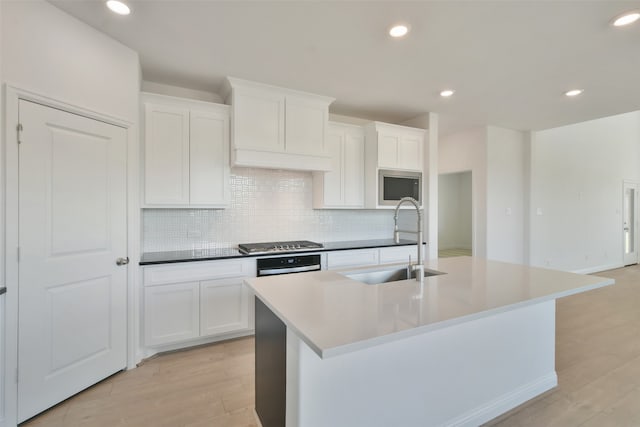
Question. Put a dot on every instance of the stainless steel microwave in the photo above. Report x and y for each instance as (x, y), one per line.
(393, 185)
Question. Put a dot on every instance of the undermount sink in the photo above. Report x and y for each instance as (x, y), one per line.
(374, 277)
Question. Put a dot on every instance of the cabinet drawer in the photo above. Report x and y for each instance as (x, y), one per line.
(195, 271)
(340, 259)
(398, 254)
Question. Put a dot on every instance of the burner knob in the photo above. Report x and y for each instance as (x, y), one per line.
(298, 247)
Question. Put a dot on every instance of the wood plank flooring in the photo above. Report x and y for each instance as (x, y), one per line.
(208, 386)
(597, 360)
(448, 253)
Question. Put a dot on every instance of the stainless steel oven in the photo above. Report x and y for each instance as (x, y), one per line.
(288, 264)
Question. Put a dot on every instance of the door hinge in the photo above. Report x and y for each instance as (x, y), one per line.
(18, 253)
(17, 377)
(19, 130)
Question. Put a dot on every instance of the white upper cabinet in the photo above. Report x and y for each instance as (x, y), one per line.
(390, 147)
(396, 147)
(166, 154)
(343, 185)
(186, 153)
(258, 120)
(277, 128)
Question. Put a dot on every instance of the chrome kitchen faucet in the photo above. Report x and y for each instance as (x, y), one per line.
(418, 268)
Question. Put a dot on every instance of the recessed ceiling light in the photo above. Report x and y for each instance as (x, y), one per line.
(626, 19)
(118, 7)
(447, 93)
(398, 31)
(574, 92)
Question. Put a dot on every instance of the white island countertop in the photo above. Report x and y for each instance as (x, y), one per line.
(334, 315)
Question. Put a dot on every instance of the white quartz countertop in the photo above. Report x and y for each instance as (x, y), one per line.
(334, 315)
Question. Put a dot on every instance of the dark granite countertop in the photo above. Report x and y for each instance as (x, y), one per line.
(150, 258)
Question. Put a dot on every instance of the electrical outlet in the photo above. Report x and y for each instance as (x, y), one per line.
(507, 211)
(539, 211)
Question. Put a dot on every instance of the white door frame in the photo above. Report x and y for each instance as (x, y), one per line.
(473, 207)
(635, 184)
(12, 96)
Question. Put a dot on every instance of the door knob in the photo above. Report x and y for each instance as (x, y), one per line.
(122, 261)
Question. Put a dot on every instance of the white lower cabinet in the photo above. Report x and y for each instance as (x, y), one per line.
(372, 256)
(172, 313)
(224, 306)
(190, 301)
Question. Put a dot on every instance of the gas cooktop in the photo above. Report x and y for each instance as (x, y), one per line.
(268, 247)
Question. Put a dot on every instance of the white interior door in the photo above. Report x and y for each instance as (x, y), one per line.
(72, 295)
(630, 223)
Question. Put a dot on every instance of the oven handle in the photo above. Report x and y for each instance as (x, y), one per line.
(272, 271)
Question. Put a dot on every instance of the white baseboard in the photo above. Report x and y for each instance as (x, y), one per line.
(151, 351)
(504, 403)
(598, 269)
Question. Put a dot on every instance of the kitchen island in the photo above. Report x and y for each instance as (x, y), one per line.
(458, 350)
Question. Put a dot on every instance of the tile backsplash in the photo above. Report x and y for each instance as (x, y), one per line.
(266, 205)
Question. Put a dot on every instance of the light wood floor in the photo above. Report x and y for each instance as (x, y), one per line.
(448, 253)
(597, 360)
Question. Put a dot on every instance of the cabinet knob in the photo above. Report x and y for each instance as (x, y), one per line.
(122, 261)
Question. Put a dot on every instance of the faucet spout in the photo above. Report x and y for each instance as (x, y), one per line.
(418, 268)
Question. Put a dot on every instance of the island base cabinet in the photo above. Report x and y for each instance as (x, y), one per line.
(171, 313)
(224, 306)
(461, 375)
(271, 367)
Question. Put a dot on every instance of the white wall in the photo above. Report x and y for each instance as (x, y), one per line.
(467, 151)
(497, 158)
(454, 210)
(577, 174)
(430, 122)
(506, 194)
(51, 53)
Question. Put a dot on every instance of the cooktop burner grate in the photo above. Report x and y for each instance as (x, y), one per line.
(289, 246)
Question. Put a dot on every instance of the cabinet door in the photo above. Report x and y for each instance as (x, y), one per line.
(333, 179)
(305, 125)
(171, 313)
(224, 306)
(410, 152)
(353, 164)
(166, 155)
(209, 154)
(258, 120)
(388, 150)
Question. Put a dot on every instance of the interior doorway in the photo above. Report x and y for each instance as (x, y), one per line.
(455, 225)
(630, 223)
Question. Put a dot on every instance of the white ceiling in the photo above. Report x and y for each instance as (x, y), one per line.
(509, 61)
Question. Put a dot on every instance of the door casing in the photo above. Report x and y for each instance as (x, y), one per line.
(636, 186)
(12, 95)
